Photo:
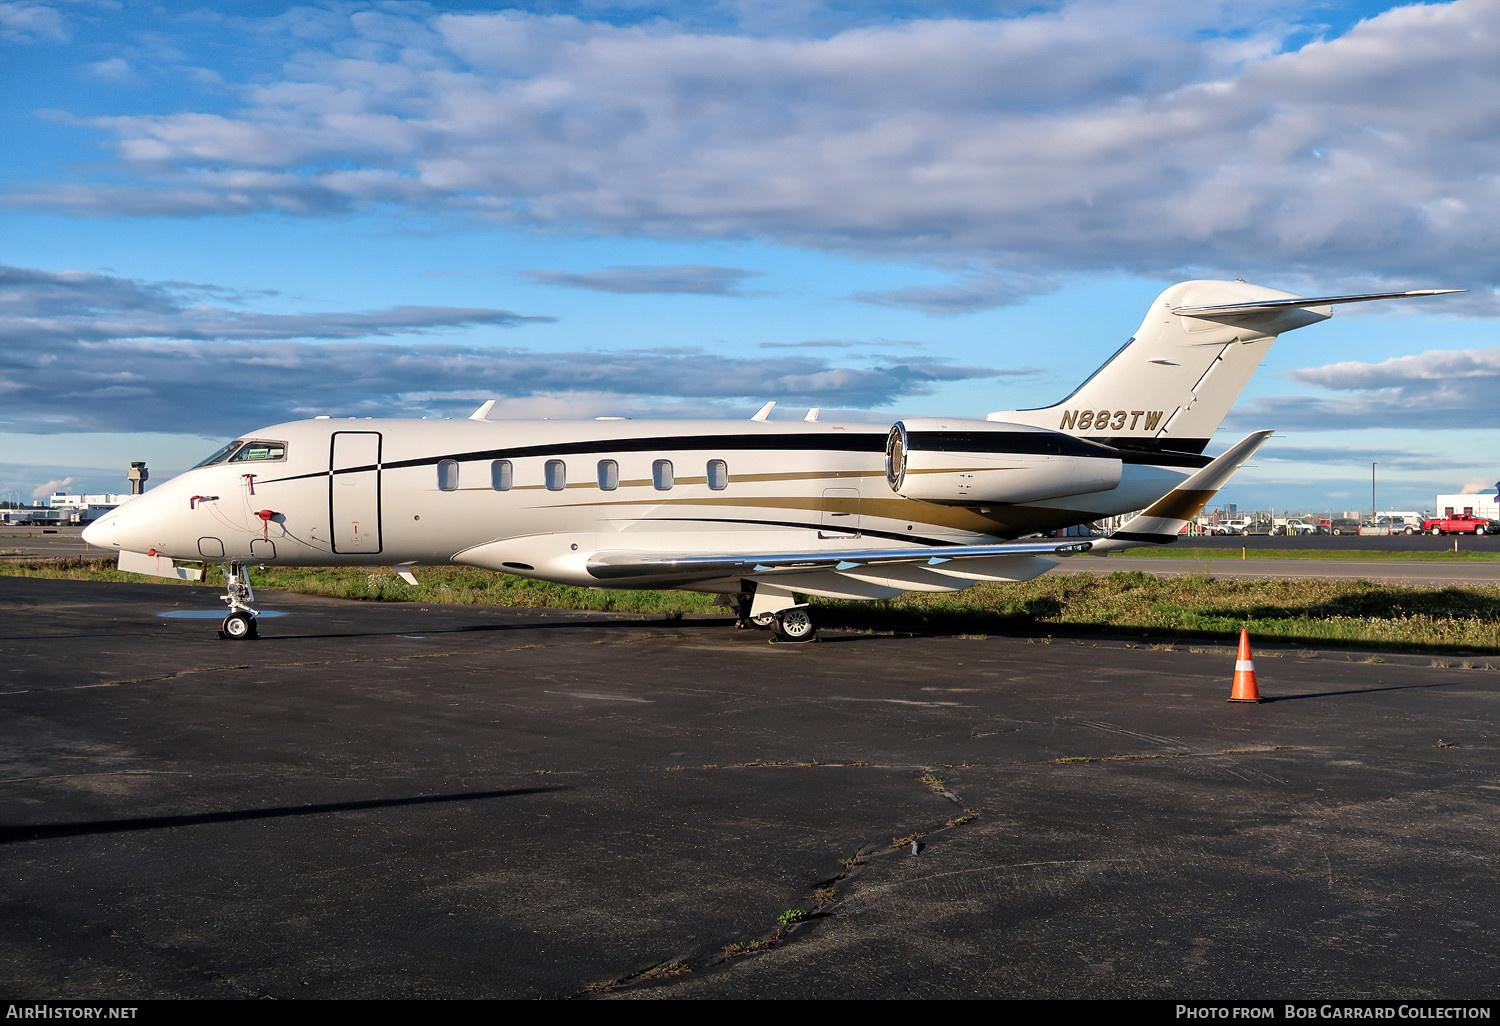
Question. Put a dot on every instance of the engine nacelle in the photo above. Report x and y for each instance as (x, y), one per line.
(978, 462)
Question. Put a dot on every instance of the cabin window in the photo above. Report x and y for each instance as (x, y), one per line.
(718, 475)
(259, 451)
(557, 475)
(661, 474)
(448, 475)
(502, 476)
(609, 475)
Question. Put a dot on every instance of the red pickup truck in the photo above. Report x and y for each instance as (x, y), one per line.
(1458, 523)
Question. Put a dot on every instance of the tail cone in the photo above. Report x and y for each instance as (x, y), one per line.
(1244, 688)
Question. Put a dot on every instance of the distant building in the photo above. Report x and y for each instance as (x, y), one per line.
(36, 515)
(80, 509)
(1481, 504)
(64, 500)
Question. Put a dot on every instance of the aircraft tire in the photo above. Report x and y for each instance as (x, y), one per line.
(794, 624)
(238, 627)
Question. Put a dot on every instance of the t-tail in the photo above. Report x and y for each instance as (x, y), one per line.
(1172, 384)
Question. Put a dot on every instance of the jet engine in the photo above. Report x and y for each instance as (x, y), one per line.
(981, 462)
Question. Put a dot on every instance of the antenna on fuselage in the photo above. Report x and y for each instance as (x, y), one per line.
(483, 413)
(812, 415)
(764, 411)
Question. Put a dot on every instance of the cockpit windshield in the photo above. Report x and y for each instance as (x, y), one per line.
(223, 454)
(242, 450)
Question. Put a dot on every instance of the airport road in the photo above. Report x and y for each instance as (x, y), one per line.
(397, 801)
(23, 543)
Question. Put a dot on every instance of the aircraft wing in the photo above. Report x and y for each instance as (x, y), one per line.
(1162, 521)
(842, 574)
(649, 567)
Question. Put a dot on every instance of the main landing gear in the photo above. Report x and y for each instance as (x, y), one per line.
(239, 625)
(792, 622)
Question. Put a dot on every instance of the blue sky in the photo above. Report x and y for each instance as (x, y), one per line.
(216, 218)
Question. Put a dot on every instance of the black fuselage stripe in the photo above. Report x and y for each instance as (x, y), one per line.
(1019, 442)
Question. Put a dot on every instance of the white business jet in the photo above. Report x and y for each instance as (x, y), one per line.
(761, 513)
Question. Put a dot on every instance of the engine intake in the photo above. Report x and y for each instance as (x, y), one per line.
(978, 462)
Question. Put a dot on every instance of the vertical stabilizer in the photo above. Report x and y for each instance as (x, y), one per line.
(1173, 383)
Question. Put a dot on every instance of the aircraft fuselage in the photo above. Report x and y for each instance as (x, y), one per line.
(539, 498)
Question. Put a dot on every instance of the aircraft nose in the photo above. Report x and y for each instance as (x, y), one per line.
(101, 532)
(121, 528)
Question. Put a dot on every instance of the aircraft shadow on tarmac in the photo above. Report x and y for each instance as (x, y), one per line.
(717, 625)
(46, 831)
(1356, 691)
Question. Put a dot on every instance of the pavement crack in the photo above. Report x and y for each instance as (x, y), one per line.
(823, 898)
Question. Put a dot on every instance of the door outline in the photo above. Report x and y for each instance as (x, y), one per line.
(370, 495)
(840, 517)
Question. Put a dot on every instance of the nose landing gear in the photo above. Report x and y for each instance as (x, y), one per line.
(239, 625)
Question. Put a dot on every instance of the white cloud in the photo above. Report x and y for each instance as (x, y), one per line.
(22, 22)
(1135, 136)
(971, 292)
(1435, 389)
(115, 70)
(56, 485)
(88, 352)
(687, 279)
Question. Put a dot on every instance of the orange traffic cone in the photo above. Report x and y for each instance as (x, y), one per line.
(1244, 689)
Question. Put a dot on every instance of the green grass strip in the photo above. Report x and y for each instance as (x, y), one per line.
(1355, 613)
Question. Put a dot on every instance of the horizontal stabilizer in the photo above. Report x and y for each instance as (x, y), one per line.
(1162, 522)
(1273, 305)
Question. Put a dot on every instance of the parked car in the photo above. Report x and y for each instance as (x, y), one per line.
(1399, 522)
(1397, 525)
(1340, 525)
(1459, 523)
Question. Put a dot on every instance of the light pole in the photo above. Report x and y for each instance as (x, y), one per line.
(1373, 507)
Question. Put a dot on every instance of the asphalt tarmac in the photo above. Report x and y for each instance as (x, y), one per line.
(399, 801)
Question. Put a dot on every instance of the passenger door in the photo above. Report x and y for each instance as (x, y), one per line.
(354, 491)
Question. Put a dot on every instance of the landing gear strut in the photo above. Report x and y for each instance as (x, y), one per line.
(743, 604)
(239, 625)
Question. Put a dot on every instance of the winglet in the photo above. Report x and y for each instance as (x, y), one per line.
(764, 411)
(483, 412)
(1162, 521)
